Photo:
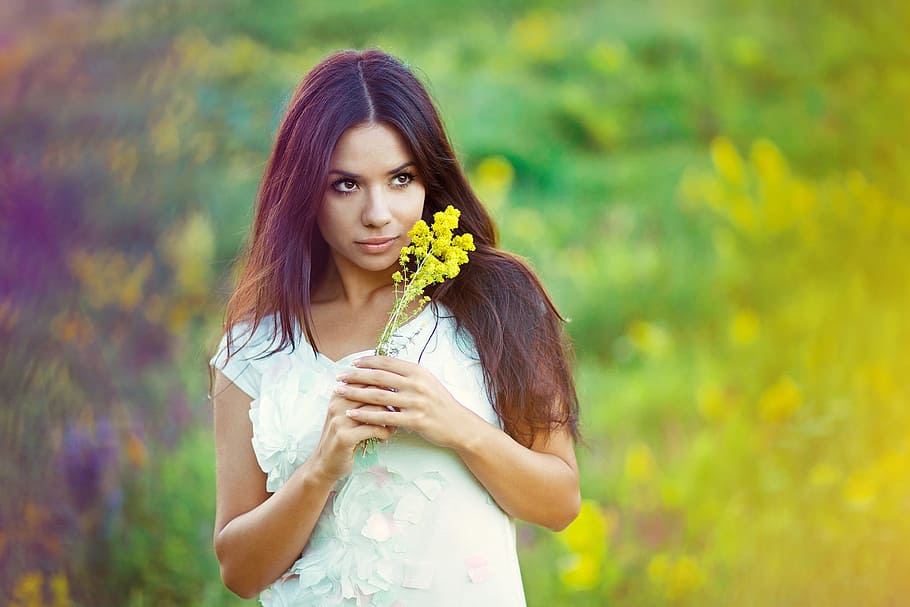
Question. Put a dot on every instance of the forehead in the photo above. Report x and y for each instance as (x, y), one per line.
(373, 147)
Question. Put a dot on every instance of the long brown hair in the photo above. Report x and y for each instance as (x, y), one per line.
(516, 329)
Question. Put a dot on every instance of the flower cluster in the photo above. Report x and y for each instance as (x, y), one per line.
(436, 255)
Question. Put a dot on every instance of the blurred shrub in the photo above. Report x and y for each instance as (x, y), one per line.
(159, 550)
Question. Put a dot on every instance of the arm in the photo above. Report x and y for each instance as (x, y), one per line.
(537, 484)
(258, 536)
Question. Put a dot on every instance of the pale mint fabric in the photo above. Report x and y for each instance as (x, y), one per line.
(410, 526)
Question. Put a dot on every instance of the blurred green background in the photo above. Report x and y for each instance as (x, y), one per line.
(716, 193)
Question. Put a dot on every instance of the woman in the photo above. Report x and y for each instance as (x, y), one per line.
(476, 415)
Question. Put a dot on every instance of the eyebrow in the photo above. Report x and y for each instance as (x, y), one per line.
(397, 169)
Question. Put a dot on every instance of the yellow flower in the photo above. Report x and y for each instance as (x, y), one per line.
(727, 161)
(435, 255)
(60, 590)
(586, 539)
(649, 338)
(769, 164)
(823, 475)
(639, 462)
(28, 590)
(712, 402)
(608, 57)
(744, 327)
(860, 490)
(780, 401)
(492, 179)
(580, 571)
(676, 578)
(538, 35)
(588, 532)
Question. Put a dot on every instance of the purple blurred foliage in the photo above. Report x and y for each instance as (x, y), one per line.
(89, 460)
(152, 345)
(39, 221)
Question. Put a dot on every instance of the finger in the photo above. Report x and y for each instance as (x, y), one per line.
(385, 363)
(380, 417)
(361, 432)
(372, 377)
(369, 396)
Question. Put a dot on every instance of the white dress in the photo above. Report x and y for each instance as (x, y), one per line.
(410, 526)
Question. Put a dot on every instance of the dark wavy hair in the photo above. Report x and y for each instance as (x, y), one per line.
(517, 330)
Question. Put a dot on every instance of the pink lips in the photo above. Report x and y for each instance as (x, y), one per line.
(376, 244)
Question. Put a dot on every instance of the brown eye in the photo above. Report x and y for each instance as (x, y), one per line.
(344, 186)
(402, 179)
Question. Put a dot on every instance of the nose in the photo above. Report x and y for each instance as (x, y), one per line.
(376, 211)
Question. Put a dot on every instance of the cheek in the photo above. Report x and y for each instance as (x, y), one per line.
(327, 222)
(417, 203)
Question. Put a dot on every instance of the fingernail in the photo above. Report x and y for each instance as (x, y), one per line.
(351, 412)
(339, 389)
(342, 378)
(357, 362)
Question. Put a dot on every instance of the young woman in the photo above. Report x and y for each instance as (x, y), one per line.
(476, 415)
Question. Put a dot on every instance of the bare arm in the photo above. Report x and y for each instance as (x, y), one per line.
(537, 484)
(258, 535)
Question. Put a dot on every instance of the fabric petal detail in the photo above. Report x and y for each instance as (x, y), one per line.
(379, 527)
(417, 574)
(479, 569)
(431, 484)
(410, 509)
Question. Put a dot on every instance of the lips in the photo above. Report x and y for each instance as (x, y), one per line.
(376, 244)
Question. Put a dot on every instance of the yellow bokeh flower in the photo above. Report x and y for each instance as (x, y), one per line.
(492, 179)
(649, 338)
(780, 401)
(744, 327)
(675, 578)
(608, 57)
(727, 161)
(588, 532)
(639, 463)
(586, 539)
(823, 475)
(28, 591)
(60, 591)
(107, 277)
(189, 248)
(712, 402)
(580, 571)
(860, 490)
(538, 35)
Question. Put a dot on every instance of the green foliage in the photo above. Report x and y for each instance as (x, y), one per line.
(738, 306)
(159, 549)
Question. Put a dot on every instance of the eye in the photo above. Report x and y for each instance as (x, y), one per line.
(344, 186)
(401, 180)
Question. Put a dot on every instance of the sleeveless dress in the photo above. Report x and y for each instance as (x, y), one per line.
(410, 526)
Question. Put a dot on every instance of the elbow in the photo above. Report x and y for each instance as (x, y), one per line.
(234, 581)
(562, 517)
(234, 576)
(237, 586)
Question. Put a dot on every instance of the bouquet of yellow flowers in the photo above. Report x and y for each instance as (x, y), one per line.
(435, 254)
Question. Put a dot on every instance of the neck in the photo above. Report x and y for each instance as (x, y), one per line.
(352, 286)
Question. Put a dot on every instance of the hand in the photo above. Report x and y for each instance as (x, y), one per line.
(334, 454)
(421, 403)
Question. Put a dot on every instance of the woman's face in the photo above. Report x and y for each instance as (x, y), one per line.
(373, 197)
